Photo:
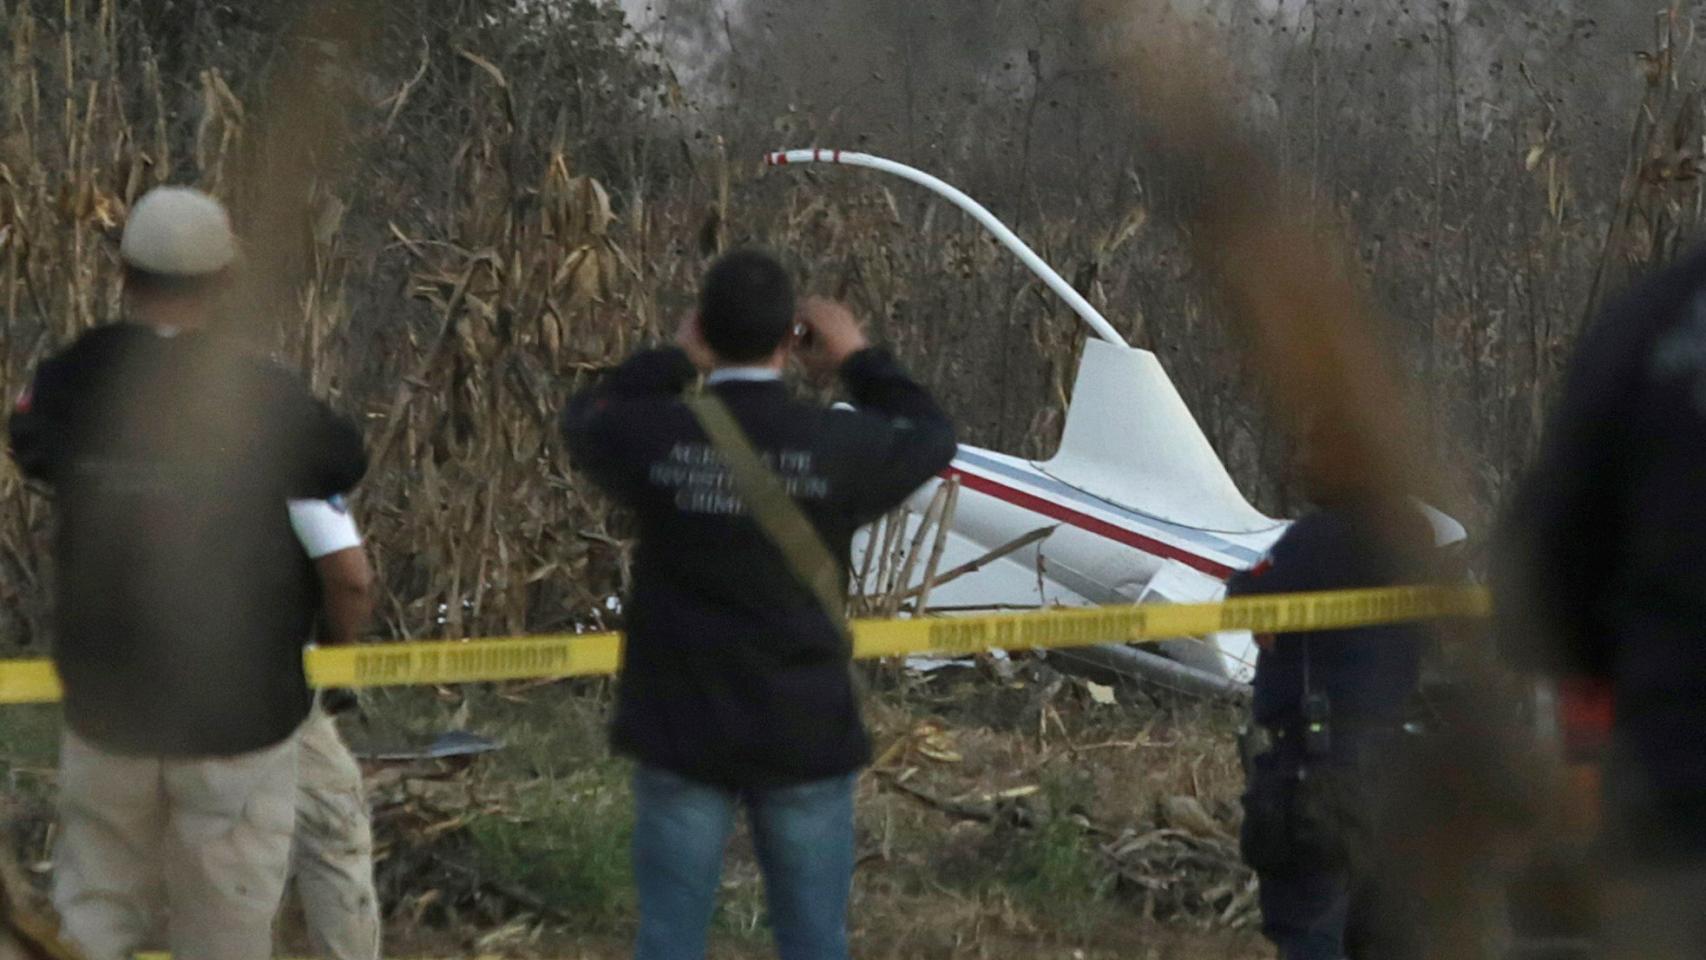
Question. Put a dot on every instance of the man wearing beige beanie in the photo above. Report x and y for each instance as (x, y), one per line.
(182, 598)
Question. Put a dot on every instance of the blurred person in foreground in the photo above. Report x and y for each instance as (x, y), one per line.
(735, 683)
(1328, 716)
(183, 599)
(331, 860)
(1598, 578)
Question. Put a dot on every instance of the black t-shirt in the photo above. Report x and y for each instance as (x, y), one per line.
(182, 598)
(733, 673)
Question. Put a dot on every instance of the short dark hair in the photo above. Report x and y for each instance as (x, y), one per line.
(746, 306)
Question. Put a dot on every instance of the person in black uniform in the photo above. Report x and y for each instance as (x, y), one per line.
(182, 598)
(1329, 706)
(735, 682)
(1597, 574)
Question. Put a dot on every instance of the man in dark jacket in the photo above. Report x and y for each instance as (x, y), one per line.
(1599, 576)
(735, 682)
(1329, 707)
(182, 599)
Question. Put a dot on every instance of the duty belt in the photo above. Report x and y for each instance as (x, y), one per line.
(1293, 730)
(1256, 740)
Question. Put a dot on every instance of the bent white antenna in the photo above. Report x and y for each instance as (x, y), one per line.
(1008, 238)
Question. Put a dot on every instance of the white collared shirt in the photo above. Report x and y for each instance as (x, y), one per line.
(742, 375)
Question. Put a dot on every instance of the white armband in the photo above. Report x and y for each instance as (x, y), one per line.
(323, 527)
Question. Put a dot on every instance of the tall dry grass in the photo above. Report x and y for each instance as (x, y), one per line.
(530, 194)
(456, 330)
(475, 524)
(524, 207)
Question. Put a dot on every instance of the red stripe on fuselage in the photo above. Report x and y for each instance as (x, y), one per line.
(1084, 521)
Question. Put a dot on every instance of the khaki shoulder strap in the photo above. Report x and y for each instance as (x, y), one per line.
(775, 512)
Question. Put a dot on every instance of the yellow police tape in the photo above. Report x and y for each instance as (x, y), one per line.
(596, 654)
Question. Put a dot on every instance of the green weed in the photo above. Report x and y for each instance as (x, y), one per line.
(29, 737)
(566, 843)
(1053, 866)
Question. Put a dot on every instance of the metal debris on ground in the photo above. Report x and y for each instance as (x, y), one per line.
(447, 745)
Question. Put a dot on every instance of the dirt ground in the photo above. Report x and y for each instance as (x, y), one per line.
(1011, 811)
(1142, 943)
(1007, 814)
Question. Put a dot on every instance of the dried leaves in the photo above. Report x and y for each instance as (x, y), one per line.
(1185, 874)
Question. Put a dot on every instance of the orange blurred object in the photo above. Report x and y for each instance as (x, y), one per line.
(1586, 710)
(1585, 714)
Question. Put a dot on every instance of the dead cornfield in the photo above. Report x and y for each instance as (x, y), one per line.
(528, 195)
(464, 272)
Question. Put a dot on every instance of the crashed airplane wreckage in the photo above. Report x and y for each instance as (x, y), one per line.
(1135, 506)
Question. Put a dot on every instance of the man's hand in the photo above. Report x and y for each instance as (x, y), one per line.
(691, 340)
(832, 335)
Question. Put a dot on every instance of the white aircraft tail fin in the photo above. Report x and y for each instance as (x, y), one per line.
(1129, 438)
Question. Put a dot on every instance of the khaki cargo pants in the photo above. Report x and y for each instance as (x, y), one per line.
(332, 861)
(203, 841)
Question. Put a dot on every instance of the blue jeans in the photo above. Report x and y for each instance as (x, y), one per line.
(804, 838)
